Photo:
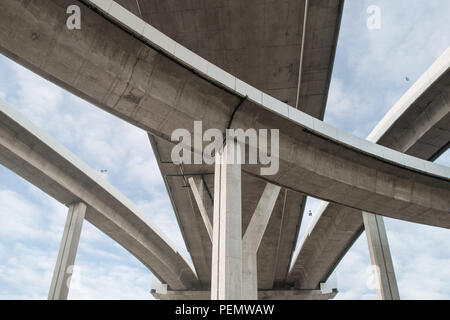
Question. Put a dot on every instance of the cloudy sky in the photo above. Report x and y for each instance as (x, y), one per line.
(369, 77)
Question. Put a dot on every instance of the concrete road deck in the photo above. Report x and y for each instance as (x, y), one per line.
(261, 43)
(418, 125)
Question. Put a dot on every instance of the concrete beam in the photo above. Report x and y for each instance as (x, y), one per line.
(29, 152)
(252, 239)
(260, 42)
(380, 256)
(157, 91)
(278, 241)
(204, 202)
(59, 289)
(258, 223)
(189, 219)
(323, 23)
(226, 280)
(418, 124)
(271, 64)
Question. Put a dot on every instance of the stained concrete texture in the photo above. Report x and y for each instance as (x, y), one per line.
(380, 255)
(156, 90)
(38, 158)
(418, 125)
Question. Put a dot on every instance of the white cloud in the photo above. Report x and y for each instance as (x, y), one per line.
(105, 282)
(350, 107)
(421, 261)
(31, 231)
(25, 219)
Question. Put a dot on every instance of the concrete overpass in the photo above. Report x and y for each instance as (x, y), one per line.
(38, 158)
(260, 43)
(137, 73)
(321, 38)
(418, 125)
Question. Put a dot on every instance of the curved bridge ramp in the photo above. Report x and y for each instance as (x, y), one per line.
(38, 158)
(123, 65)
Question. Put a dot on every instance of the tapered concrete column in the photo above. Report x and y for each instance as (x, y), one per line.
(204, 202)
(59, 288)
(226, 274)
(380, 255)
(252, 240)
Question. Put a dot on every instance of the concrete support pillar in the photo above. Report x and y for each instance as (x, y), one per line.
(252, 239)
(59, 288)
(204, 202)
(249, 274)
(226, 274)
(380, 256)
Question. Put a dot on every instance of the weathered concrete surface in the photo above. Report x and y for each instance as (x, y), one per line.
(160, 291)
(280, 80)
(418, 125)
(189, 218)
(204, 202)
(59, 288)
(260, 42)
(252, 239)
(380, 256)
(257, 41)
(32, 154)
(262, 295)
(130, 79)
(278, 241)
(226, 273)
(202, 66)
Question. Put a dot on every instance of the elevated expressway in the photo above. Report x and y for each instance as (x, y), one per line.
(418, 125)
(123, 65)
(260, 43)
